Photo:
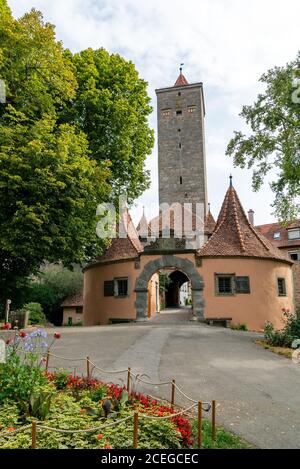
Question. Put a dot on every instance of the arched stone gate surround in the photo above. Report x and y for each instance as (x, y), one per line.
(186, 266)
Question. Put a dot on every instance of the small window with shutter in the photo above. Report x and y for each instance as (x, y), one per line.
(242, 285)
(109, 288)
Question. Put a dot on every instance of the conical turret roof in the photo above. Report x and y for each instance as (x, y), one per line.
(235, 236)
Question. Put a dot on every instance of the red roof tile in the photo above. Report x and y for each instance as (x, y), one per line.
(143, 228)
(125, 247)
(181, 80)
(283, 241)
(74, 300)
(235, 236)
(209, 224)
(176, 219)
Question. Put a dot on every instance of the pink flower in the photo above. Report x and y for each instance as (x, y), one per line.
(107, 447)
(10, 429)
(57, 335)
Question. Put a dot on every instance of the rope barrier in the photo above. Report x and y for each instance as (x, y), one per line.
(87, 430)
(184, 411)
(107, 371)
(150, 383)
(66, 358)
(18, 430)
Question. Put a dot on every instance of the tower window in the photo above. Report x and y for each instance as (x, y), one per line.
(179, 144)
(179, 112)
(281, 287)
(191, 109)
(179, 93)
(294, 256)
(179, 130)
(180, 179)
(166, 112)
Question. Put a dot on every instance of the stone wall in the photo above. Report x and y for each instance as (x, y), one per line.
(181, 145)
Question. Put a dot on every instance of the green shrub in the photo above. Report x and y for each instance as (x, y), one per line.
(36, 314)
(239, 327)
(18, 381)
(285, 336)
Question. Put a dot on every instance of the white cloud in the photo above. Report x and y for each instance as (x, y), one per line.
(227, 44)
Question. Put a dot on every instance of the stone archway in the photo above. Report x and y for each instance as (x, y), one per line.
(167, 261)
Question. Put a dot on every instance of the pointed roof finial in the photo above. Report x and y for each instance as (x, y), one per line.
(208, 207)
(230, 178)
(143, 210)
(181, 80)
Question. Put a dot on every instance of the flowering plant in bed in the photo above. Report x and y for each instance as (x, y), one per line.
(22, 380)
(77, 403)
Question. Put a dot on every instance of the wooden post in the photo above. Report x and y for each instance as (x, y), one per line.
(88, 367)
(47, 360)
(213, 420)
(173, 394)
(33, 435)
(199, 424)
(135, 429)
(128, 380)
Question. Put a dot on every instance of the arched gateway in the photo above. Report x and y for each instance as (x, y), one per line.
(168, 261)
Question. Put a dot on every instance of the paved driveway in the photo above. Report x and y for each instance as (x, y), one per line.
(257, 391)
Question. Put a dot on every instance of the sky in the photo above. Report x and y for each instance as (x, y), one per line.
(226, 44)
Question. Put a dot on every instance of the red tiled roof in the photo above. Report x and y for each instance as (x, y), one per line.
(235, 236)
(143, 227)
(176, 218)
(125, 247)
(181, 80)
(283, 242)
(209, 224)
(74, 300)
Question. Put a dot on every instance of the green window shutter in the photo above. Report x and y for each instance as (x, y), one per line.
(242, 284)
(108, 288)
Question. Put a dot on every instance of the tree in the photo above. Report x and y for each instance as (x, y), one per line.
(112, 107)
(73, 132)
(274, 143)
(51, 287)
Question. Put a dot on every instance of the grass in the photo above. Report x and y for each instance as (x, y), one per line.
(224, 439)
(283, 351)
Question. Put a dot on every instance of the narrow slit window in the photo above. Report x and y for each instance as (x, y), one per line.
(180, 179)
(179, 144)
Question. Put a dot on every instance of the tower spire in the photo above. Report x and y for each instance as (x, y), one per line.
(181, 80)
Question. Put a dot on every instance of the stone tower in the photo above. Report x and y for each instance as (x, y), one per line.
(181, 143)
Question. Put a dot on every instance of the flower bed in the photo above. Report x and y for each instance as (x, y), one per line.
(79, 412)
(78, 404)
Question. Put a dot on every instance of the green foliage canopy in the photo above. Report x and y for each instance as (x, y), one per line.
(73, 133)
(274, 142)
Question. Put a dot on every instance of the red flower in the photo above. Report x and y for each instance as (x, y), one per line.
(22, 334)
(8, 342)
(6, 326)
(99, 437)
(57, 335)
(10, 429)
(82, 411)
(107, 447)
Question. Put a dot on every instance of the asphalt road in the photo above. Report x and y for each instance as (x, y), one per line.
(257, 391)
